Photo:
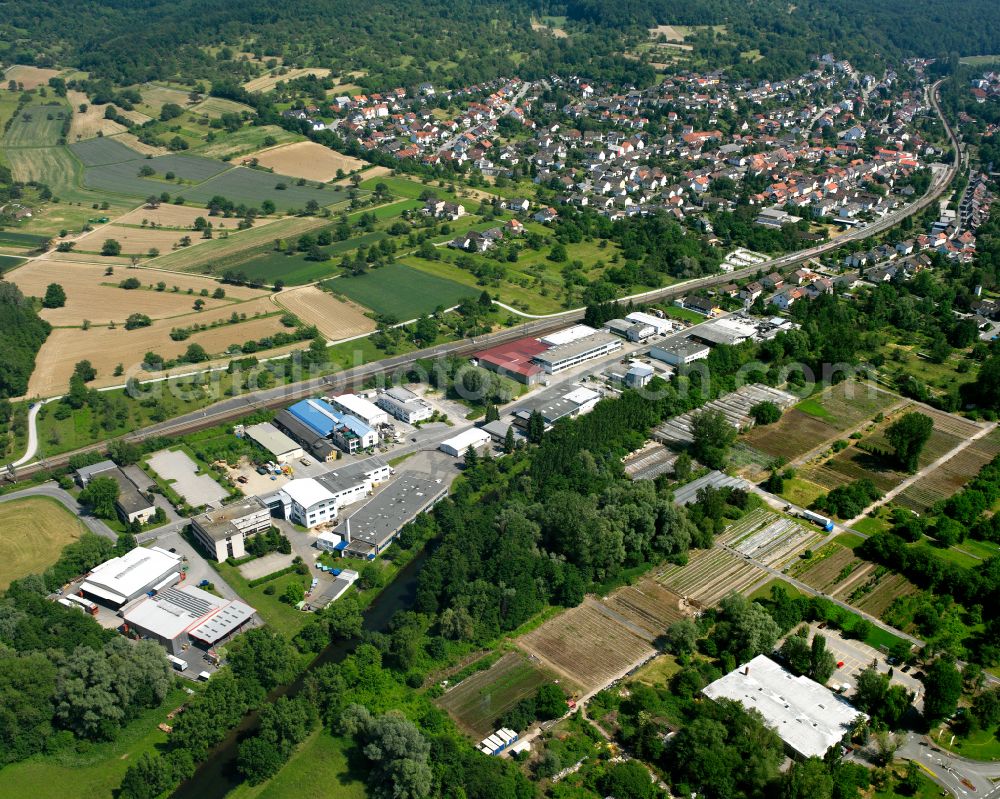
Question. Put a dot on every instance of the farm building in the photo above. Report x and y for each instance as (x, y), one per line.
(374, 526)
(807, 716)
(661, 326)
(180, 617)
(679, 353)
(514, 360)
(458, 445)
(580, 350)
(360, 408)
(120, 580)
(629, 330)
(269, 437)
(223, 532)
(404, 405)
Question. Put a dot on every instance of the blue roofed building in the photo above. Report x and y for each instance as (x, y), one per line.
(348, 432)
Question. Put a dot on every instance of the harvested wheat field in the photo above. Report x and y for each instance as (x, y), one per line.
(90, 294)
(306, 159)
(266, 83)
(90, 123)
(29, 77)
(135, 240)
(105, 348)
(131, 141)
(336, 319)
(175, 216)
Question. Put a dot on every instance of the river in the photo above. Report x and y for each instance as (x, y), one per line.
(217, 775)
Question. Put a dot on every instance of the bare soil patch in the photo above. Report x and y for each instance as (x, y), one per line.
(306, 159)
(29, 77)
(91, 123)
(335, 318)
(266, 83)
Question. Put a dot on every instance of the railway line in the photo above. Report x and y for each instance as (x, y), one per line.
(236, 407)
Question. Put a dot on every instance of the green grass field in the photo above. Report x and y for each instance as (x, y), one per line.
(280, 616)
(95, 773)
(684, 314)
(33, 532)
(37, 126)
(295, 270)
(244, 141)
(318, 767)
(401, 291)
(979, 745)
(801, 492)
(9, 262)
(15, 238)
(252, 187)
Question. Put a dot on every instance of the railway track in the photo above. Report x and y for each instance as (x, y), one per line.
(235, 408)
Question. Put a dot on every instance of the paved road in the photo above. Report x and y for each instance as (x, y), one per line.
(53, 491)
(961, 777)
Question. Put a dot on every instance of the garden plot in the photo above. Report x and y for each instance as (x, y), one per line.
(587, 646)
(177, 468)
(649, 462)
(848, 404)
(709, 575)
(792, 436)
(480, 699)
(648, 605)
(879, 591)
(829, 567)
(945, 480)
(769, 538)
(736, 407)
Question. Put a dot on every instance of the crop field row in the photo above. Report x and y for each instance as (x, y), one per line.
(847, 404)
(37, 126)
(709, 575)
(945, 480)
(586, 646)
(769, 538)
(479, 700)
(879, 592)
(648, 605)
(792, 436)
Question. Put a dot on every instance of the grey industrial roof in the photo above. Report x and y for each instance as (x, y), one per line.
(218, 524)
(580, 346)
(391, 508)
(349, 475)
(271, 438)
(204, 616)
(86, 472)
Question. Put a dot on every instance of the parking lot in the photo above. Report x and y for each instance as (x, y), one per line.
(182, 473)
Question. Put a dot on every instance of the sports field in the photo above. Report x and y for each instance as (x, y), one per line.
(33, 532)
(401, 291)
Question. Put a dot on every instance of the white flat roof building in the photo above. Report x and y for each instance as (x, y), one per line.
(567, 335)
(661, 326)
(269, 437)
(585, 398)
(457, 445)
(808, 717)
(579, 350)
(360, 408)
(122, 579)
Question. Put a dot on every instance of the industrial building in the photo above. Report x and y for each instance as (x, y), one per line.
(322, 420)
(120, 580)
(629, 330)
(223, 532)
(458, 445)
(181, 617)
(319, 446)
(576, 351)
(514, 360)
(131, 504)
(680, 353)
(661, 326)
(807, 716)
(87, 473)
(373, 527)
(724, 331)
(360, 408)
(567, 335)
(639, 375)
(578, 401)
(282, 448)
(403, 404)
(313, 501)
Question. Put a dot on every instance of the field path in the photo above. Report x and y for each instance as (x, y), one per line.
(930, 467)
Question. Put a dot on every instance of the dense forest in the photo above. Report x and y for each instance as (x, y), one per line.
(457, 43)
(22, 334)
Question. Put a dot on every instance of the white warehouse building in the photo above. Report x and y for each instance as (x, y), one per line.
(137, 572)
(458, 445)
(360, 408)
(312, 501)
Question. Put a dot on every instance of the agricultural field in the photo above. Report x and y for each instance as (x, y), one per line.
(648, 605)
(123, 177)
(951, 475)
(587, 646)
(307, 160)
(479, 700)
(154, 97)
(220, 254)
(37, 126)
(106, 347)
(91, 123)
(769, 538)
(401, 291)
(251, 187)
(828, 567)
(245, 141)
(8, 262)
(93, 295)
(848, 404)
(335, 319)
(878, 591)
(29, 77)
(102, 151)
(709, 575)
(33, 532)
(215, 107)
(266, 83)
(178, 217)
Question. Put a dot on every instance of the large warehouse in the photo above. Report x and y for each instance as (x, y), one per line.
(577, 351)
(323, 420)
(457, 446)
(178, 617)
(270, 438)
(514, 360)
(359, 407)
(120, 580)
(808, 717)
